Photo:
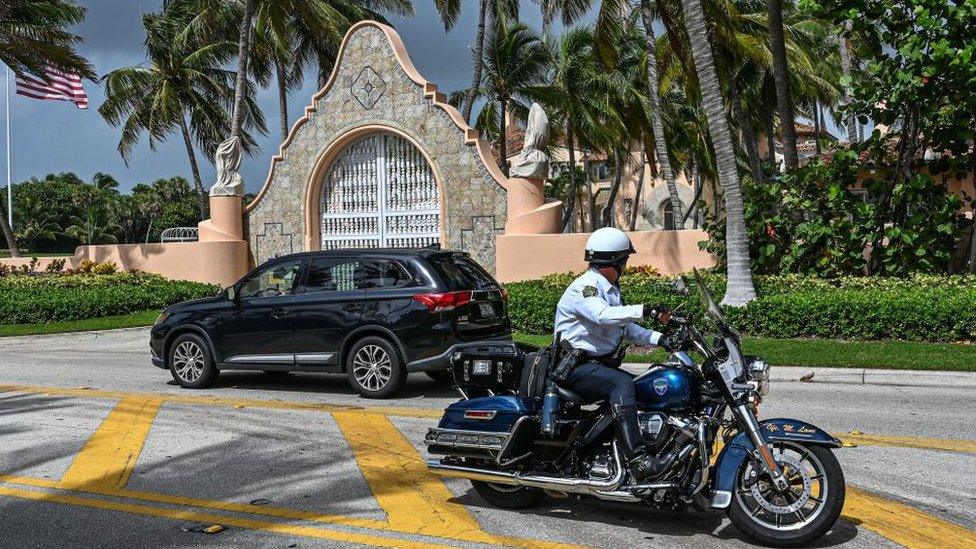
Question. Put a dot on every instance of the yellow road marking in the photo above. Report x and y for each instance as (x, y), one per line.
(952, 445)
(238, 522)
(108, 458)
(903, 524)
(414, 500)
(398, 411)
(211, 504)
(946, 444)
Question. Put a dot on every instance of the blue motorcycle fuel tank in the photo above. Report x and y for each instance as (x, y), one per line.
(665, 388)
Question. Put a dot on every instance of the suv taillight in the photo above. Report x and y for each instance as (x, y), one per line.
(443, 302)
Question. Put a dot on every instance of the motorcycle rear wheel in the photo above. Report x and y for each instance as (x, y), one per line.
(508, 496)
(800, 515)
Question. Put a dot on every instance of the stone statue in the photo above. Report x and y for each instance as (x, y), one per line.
(532, 162)
(228, 161)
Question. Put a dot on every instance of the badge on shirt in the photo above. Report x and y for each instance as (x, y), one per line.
(590, 291)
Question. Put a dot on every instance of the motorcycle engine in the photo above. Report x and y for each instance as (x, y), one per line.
(651, 425)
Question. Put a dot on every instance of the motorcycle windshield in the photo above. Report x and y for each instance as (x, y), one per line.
(713, 311)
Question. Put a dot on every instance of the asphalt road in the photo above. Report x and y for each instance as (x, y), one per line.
(98, 448)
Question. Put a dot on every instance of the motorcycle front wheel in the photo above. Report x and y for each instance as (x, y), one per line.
(798, 515)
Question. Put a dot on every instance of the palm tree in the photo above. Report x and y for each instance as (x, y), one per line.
(92, 226)
(33, 36)
(489, 13)
(515, 62)
(739, 289)
(781, 74)
(185, 87)
(657, 125)
(578, 83)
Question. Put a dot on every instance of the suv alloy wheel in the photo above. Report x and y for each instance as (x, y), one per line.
(191, 362)
(374, 368)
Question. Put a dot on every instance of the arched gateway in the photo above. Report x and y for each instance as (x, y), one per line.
(380, 192)
(379, 159)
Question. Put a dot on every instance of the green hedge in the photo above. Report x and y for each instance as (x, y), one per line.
(40, 299)
(923, 308)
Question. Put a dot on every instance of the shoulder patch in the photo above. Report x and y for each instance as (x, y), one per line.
(590, 291)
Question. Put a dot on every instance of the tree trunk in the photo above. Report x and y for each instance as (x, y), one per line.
(590, 197)
(844, 45)
(781, 72)
(657, 126)
(8, 232)
(197, 182)
(573, 184)
(739, 290)
(748, 137)
(817, 121)
(608, 219)
(479, 44)
(673, 34)
(696, 181)
(282, 99)
(637, 192)
(502, 141)
(769, 126)
(243, 51)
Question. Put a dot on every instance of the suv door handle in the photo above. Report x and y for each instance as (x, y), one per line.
(279, 313)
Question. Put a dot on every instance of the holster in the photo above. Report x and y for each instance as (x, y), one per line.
(569, 359)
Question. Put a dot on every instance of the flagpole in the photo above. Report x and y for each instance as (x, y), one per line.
(10, 194)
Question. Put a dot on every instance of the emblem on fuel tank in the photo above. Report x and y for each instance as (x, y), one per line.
(660, 386)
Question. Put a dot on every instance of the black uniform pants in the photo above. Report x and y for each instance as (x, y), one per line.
(595, 382)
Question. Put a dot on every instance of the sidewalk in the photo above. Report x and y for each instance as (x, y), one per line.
(906, 378)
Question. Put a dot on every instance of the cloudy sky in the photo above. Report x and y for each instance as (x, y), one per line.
(49, 136)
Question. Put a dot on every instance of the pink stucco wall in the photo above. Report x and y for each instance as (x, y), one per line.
(219, 263)
(523, 257)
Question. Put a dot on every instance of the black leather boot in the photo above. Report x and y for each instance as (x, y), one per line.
(643, 466)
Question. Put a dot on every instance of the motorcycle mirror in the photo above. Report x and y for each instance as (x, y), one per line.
(681, 286)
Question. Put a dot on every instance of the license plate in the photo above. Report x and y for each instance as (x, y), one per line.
(486, 309)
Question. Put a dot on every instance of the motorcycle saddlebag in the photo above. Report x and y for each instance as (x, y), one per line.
(488, 427)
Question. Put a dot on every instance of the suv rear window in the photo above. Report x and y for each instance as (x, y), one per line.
(461, 273)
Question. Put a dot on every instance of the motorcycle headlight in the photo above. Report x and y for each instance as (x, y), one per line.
(759, 372)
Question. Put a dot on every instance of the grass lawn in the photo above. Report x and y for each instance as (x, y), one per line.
(131, 320)
(889, 355)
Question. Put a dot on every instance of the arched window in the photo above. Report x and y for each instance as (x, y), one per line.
(667, 214)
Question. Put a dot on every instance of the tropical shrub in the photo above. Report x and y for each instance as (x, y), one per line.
(809, 222)
(918, 308)
(39, 299)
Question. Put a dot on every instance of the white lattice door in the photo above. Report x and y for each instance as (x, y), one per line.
(380, 192)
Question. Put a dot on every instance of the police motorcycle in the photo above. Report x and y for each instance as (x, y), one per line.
(518, 436)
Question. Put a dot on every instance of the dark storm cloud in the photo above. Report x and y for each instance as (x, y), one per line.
(55, 136)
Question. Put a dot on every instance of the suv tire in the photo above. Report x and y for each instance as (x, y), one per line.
(191, 362)
(374, 368)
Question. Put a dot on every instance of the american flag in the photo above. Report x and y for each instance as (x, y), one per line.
(60, 87)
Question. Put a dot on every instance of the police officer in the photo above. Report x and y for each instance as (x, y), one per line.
(592, 318)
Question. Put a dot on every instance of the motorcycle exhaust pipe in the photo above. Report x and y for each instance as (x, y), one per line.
(555, 484)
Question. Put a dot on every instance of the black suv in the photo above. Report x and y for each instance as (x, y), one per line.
(376, 315)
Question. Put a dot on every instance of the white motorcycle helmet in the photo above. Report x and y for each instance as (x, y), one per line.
(608, 247)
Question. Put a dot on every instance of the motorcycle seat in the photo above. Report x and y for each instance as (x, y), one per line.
(567, 395)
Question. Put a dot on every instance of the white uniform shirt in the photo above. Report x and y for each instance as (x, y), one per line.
(591, 318)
